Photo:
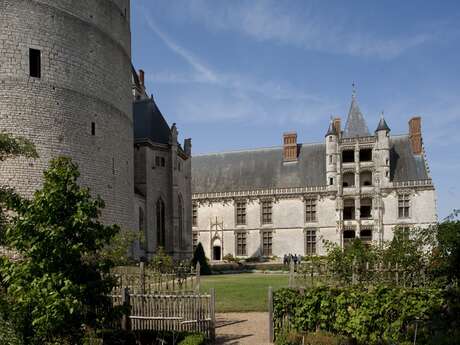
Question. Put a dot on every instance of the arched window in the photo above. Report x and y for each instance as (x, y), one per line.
(161, 230)
(180, 212)
(142, 234)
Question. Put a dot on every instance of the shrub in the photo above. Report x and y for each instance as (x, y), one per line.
(161, 262)
(199, 256)
(194, 339)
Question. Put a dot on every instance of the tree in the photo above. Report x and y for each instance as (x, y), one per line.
(199, 256)
(62, 282)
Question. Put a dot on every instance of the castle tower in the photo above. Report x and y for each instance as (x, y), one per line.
(332, 138)
(65, 84)
(382, 152)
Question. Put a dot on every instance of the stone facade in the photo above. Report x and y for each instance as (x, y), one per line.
(355, 184)
(81, 103)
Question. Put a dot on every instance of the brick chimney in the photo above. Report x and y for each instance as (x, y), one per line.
(142, 78)
(337, 126)
(290, 147)
(415, 134)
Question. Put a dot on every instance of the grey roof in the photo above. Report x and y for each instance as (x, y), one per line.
(382, 126)
(356, 124)
(331, 129)
(404, 165)
(264, 168)
(258, 169)
(149, 123)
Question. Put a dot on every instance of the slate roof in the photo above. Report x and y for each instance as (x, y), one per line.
(331, 129)
(382, 126)
(356, 124)
(149, 123)
(264, 168)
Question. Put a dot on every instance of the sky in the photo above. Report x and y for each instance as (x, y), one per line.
(237, 74)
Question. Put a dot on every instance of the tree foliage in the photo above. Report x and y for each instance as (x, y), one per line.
(62, 282)
(11, 146)
(199, 256)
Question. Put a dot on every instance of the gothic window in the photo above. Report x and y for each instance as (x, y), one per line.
(194, 214)
(267, 238)
(180, 213)
(194, 239)
(403, 205)
(266, 212)
(161, 226)
(35, 64)
(240, 213)
(310, 210)
(310, 242)
(142, 235)
(240, 237)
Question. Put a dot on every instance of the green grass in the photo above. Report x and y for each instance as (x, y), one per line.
(242, 292)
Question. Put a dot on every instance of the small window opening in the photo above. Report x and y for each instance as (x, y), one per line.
(331, 181)
(93, 128)
(348, 156)
(35, 64)
(163, 163)
(365, 155)
(113, 166)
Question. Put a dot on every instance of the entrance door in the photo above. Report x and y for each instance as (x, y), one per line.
(216, 253)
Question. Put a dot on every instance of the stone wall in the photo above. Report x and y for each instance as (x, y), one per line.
(85, 78)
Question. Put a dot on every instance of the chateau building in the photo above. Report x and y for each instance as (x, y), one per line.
(67, 84)
(288, 199)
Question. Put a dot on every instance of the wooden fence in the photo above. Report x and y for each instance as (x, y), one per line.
(144, 281)
(169, 312)
(309, 274)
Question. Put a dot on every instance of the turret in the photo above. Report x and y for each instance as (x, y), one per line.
(382, 151)
(332, 138)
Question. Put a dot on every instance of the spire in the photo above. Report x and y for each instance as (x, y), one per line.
(382, 126)
(331, 130)
(356, 124)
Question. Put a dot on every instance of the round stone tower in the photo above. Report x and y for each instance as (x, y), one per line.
(65, 83)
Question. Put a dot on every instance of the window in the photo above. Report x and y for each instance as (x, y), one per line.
(366, 208)
(348, 179)
(403, 232)
(403, 205)
(310, 210)
(348, 156)
(365, 178)
(348, 237)
(365, 155)
(35, 63)
(267, 238)
(194, 214)
(331, 181)
(180, 212)
(330, 138)
(330, 159)
(349, 209)
(142, 237)
(310, 242)
(240, 213)
(161, 228)
(93, 128)
(366, 236)
(266, 212)
(157, 161)
(163, 163)
(194, 240)
(241, 243)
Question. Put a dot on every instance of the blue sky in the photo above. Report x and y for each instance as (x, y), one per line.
(237, 74)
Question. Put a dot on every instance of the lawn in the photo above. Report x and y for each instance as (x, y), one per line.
(242, 292)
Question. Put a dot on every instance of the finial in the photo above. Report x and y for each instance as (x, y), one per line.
(353, 90)
(381, 115)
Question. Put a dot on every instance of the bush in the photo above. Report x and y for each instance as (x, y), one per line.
(199, 256)
(372, 316)
(194, 339)
(161, 262)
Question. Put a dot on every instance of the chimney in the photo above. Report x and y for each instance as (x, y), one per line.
(188, 147)
(336, 123)
(290, 147)
(142, 77)
(415, 134)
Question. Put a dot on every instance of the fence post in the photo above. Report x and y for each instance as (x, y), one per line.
(353, 273)
(291, 274)
(213, 315)
(142, 277)
(125, 300)
(271, 337)
(198, 269)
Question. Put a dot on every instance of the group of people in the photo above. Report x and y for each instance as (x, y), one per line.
(288, 258)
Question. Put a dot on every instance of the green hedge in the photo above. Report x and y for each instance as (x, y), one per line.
(372, 316)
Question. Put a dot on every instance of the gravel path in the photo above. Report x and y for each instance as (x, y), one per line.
(242, 328)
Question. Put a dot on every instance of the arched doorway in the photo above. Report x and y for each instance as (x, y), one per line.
(216, 250)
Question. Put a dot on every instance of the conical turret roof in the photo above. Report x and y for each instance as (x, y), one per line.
(331, 130)
(356, 124)
(382, 126)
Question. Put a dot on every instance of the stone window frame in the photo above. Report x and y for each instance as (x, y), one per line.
(404, 205)
(310, 241)
(242, 216)
(266, 239)
(310, 209)
(266, 218)
(241, 242)
(194, 213)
